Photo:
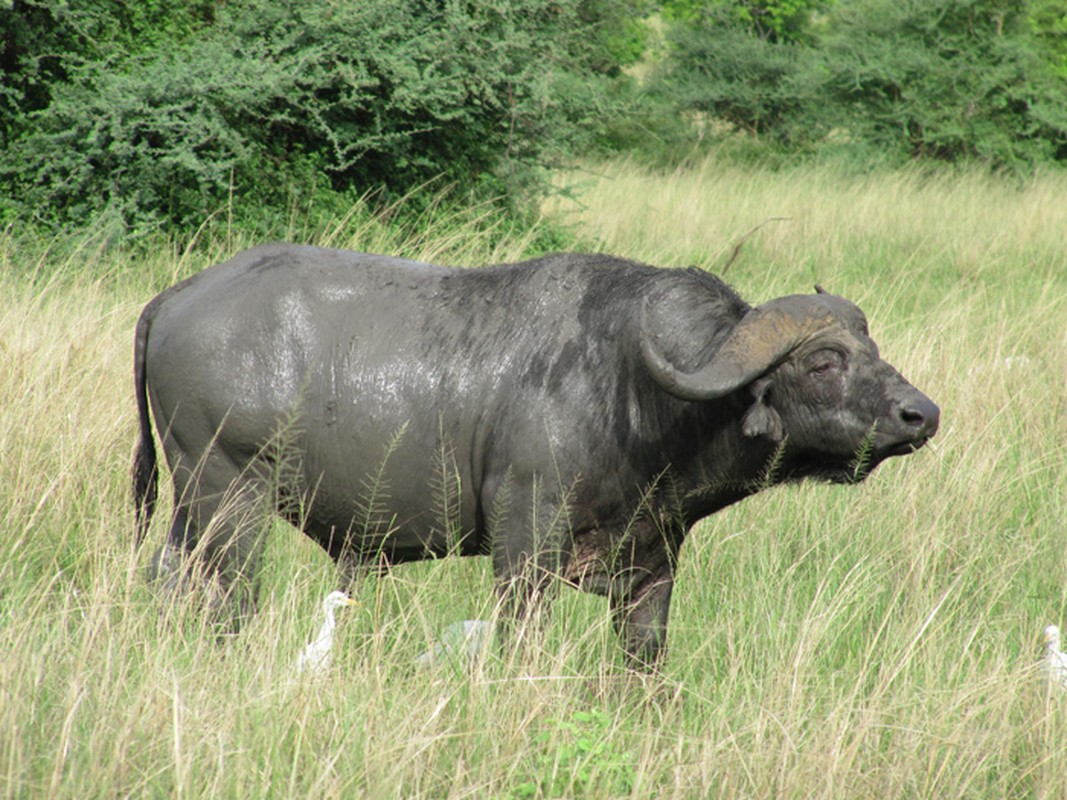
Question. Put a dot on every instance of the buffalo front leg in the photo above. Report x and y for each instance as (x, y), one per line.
(639, 612)
(531, 545)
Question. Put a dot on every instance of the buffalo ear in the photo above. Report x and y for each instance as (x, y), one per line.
(761, 419)
(756, 344)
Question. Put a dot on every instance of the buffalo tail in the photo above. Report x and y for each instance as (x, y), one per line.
(145, 471)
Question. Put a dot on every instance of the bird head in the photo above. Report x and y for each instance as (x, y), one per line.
(336, 600)
(1052, 637)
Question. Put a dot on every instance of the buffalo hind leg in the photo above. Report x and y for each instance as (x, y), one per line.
(216, 537)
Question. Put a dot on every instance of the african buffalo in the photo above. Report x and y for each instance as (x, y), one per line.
(570, 416)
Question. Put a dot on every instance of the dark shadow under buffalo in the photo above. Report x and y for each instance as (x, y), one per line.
(571, 416)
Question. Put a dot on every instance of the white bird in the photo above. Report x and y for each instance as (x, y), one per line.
(466, 639)
(1055, 660)
(316, 656)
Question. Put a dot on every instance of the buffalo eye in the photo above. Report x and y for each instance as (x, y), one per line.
(824, 363)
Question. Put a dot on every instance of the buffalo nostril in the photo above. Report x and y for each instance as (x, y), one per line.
(921, 413)
(912, 416)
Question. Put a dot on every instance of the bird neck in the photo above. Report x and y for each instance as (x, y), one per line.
(326, 631)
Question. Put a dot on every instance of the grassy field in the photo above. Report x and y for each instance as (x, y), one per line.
(874, 641)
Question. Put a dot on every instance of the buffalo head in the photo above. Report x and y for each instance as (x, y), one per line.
(813, 381)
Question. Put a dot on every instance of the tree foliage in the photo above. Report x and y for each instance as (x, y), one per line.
(943, 79)
(725, 69)
(270, 101)
(44, 43)
(1048, 22)
(768, 20)
(160, 115)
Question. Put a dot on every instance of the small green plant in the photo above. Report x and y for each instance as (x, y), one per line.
(576, 758)
(861, 464)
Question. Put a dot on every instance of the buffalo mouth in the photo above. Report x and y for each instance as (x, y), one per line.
(856, 470)
(902, 448)
(859, 470)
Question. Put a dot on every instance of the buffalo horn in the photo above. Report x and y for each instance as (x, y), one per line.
(759, 342)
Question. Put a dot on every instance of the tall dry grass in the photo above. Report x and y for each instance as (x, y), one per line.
(880, 640)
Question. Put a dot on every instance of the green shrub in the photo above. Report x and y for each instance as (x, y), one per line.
(317, 101)
(47, 42)
(578, 759)
(947, 79)
(771, 20)
(721, 68)
(1048, 21)
(889, 80)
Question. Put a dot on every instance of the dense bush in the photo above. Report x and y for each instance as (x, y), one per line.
(945, 78)
(158, 115)
(1048, 21)
(721, 67)
(47, 42)
(770, 20)
(276, 104)
(887, 79)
